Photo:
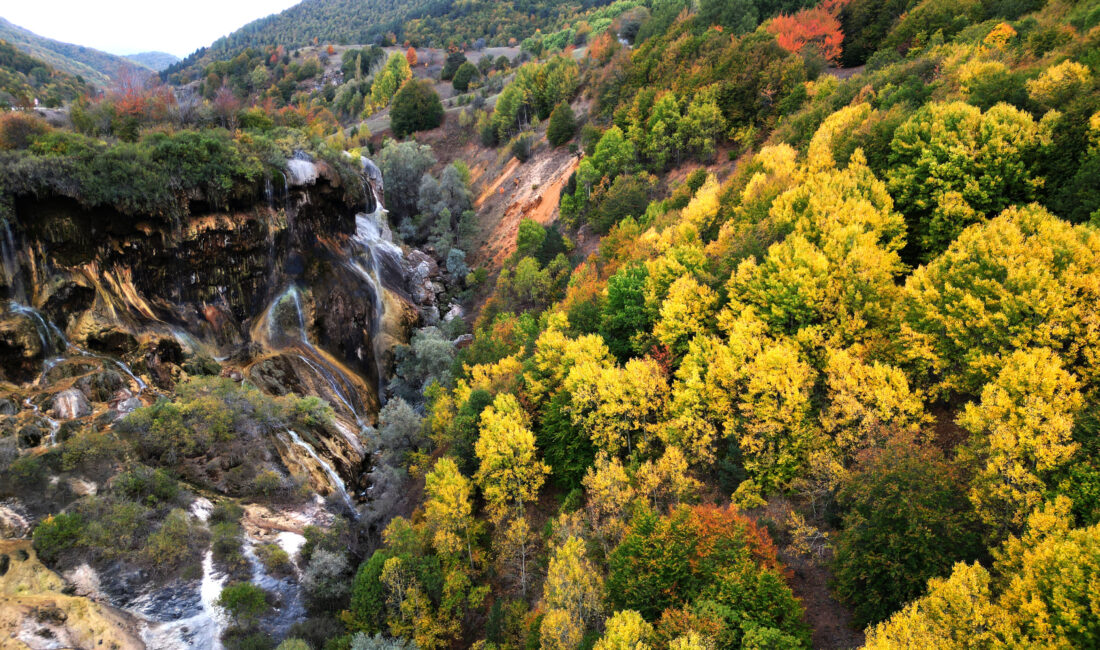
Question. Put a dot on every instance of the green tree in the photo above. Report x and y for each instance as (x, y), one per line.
(735, 16)
(703, 125)
(464, 76)
(454, 61)
(953, 165)
(903, 524)
(614, 153)
(529, 237)
(625, 319)
(404, 165)
(704, 558)
(1042, 595)
(563, 125)
(416, 107)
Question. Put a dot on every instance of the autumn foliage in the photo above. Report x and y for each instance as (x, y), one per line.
(817, 27)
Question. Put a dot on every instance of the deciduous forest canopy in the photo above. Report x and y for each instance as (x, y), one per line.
(749, 323)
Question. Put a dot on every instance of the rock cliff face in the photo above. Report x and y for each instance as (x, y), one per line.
(300, 293)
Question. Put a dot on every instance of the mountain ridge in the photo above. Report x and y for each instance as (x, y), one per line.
(93, 66)
(155, 61)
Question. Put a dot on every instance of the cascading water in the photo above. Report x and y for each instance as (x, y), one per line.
(277, 333)
(202, 630)
(290, 609)
(45, 334)
(54, 425)
(374, 251)
(54, 342)
(303, 171)
(9, 264)
(333, 384)
(334, 478)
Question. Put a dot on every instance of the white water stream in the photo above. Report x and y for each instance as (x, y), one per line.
(204, 629)
(334, 478)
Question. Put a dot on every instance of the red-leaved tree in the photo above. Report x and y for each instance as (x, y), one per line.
(817, 28)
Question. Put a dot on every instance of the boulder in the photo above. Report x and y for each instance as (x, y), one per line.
(70, 404)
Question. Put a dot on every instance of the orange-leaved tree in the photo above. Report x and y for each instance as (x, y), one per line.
(816, 27)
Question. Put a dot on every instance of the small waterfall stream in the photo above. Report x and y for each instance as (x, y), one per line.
(373, 250)
(316, 360)
(9, 263)
(45, 334)
(54, 343)
(334, 477)
(290, 609)
(54, 425)
(204, 629)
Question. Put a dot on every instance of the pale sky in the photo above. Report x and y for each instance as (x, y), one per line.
(132, 26)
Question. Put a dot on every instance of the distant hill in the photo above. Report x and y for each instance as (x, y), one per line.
(429, 23)
(92, 65)
(23, 79)
(155, 61)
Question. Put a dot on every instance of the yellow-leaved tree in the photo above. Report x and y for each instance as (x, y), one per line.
(609, 496)
(626, 630)
(864, 402)
(686, 312)
(510, 473)
(574, 588)
(837, 267)
(1024, 279)
(1022, 431)
(1043, 595)
(447, 509)
(620, 408)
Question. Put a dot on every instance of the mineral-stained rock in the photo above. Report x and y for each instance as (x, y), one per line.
(70, 404)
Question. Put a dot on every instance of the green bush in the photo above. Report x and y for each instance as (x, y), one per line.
(416, 107)
(903, 524)
(466, 73)
(628, 196)
(27, 471)
(56, 534)
(563, 125)
(521, 146)
(226, 546)
(245, 603)
(89, 449)
(274, 559)
(149, 485)
(172, 543)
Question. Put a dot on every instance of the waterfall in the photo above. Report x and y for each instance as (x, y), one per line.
(325, 370)
(302, 170)
(45, 334)
(204, 629)
(269, 193)
(286, 194)
(290, 608)
(54, 342)
(55, 426)
(373, 249)
(13, 275)
(334, 478)
(337, 389)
